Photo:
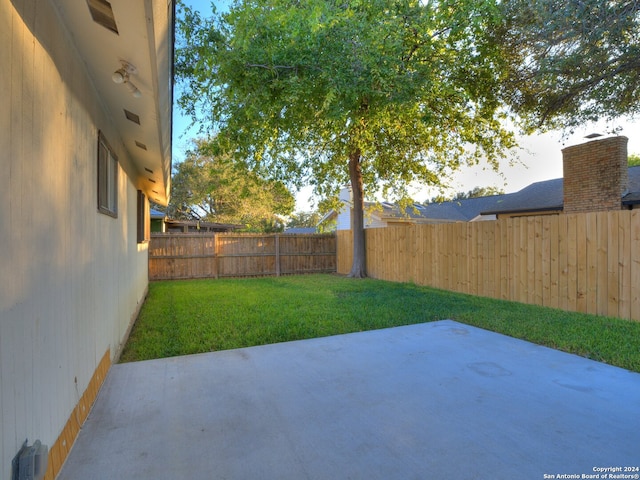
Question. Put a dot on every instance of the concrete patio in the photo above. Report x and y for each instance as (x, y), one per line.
(439, 400)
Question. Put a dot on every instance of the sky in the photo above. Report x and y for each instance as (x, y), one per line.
(540, 157)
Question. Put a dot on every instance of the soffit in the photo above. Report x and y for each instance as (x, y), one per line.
(144, 40)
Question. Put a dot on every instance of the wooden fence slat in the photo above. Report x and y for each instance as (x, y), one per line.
(501, 260)
(173, 256)
(635, 264)
(583, 262)
(624, 260)
(536, 258)
(472, 240)
(543, 279)
(613, 266)
(554, 229)
(602, 246)
(563, 262)
(572, 262)
(585, 242)
(531, 259)
(580, 262)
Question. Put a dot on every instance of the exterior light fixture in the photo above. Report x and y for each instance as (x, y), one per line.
(122, 75)
(119, 76)
(133, 89)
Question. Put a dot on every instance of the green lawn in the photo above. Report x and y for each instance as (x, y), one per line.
(195, 316)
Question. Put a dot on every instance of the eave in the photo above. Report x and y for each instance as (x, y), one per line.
(144, 40)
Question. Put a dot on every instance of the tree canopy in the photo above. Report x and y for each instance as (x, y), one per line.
(570, 62)
(304, 219)
(377, 93)
(218, 189)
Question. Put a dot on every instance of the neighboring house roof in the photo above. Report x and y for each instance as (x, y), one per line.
(381, 214)
(538, 197)
(544, 196)
(465, 210)
(156, 214)
(548, 195)
(633, 197)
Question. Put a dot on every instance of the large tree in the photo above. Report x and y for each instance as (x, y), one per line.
(571, 61)
(216, 188)
(304, 220)
(377, 93)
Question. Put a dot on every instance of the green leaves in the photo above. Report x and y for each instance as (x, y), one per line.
(213, 187)
(288, 87)
(571, 61)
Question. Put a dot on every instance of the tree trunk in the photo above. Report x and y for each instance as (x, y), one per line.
(359, 266)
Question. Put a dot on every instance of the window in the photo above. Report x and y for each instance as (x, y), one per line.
(143, 224)
(107, 178)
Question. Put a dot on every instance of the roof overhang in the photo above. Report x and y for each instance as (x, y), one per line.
(405, 220)
(330, 215)
(144, 39)
(530, 210)
(631, 199)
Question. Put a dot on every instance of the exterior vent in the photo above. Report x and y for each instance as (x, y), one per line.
(102, 14)
(132, 116)
(141, 145)
(30, 463)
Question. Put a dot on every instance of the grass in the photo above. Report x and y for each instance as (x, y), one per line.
(196, 316)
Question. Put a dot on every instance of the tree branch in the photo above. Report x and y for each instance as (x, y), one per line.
(272, 67)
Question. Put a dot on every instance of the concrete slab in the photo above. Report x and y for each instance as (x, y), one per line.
(436, 400)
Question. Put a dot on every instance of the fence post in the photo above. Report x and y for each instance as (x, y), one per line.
(277, 255)
(216, 259)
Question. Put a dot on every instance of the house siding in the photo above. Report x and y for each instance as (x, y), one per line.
(344, 218)
(72, 278)
(370, 220)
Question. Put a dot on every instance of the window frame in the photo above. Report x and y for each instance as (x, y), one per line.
(143, 225)
(108, 168)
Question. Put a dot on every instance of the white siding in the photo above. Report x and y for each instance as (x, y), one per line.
(71, 278)
(343, 222)
(371, 220)
(344, 218)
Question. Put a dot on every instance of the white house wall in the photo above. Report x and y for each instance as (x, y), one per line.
(372, 221)
(343, 221)
(71, 278)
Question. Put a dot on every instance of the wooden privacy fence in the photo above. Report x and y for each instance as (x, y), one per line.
(587, 262)
(178, 256)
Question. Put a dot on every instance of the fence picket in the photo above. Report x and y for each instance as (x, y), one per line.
(588, 262)
(180, 256)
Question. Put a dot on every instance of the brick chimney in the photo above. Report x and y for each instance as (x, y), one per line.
(596, 175)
